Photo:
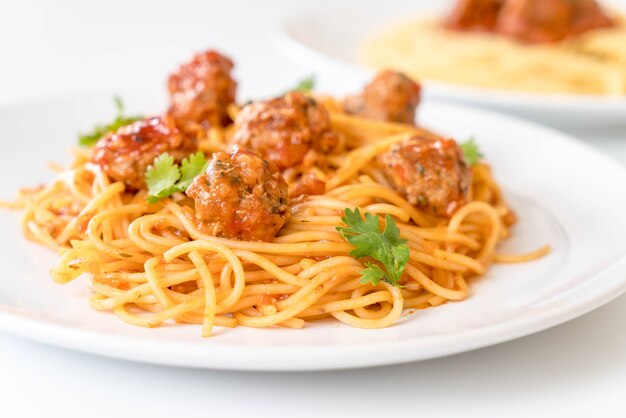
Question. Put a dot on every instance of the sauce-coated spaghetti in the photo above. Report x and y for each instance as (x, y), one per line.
(154, 263)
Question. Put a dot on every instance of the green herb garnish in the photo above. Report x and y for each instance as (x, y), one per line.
(384, 246)
(306, 85)
(471, 152)
(90, 139)
(164, 177)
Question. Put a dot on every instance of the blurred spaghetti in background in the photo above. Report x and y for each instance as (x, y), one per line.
(555, 46)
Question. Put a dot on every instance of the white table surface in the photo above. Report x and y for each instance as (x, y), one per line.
(46, 48)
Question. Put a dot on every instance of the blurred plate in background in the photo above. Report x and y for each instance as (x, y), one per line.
(327, 43)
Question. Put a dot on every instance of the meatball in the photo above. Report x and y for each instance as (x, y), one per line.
(391, 96)
(240, 196)
(125, 154)
(284, 129)
(474, 15)
(200, 92)
(431, 172)
(588, 15)
(535, 21)
(539, 21)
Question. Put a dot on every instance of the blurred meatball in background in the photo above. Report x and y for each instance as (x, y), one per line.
(474, 15)
(532, 21)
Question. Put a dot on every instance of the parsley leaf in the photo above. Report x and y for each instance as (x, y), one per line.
(90, 139)
(164, 177)
(372, 274)
(161, 177)
(305, 85)
(190, 168)
(471, 152)
(386, 247)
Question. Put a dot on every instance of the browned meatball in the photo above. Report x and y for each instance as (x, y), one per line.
(125, 154)
(539, 21)
(240, 196)
(200, 92)
(391, 96)
(474, 15)
(284, 129)
(431, 172)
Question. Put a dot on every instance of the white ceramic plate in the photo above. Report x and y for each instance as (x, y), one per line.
(565, 194)
(326, 42)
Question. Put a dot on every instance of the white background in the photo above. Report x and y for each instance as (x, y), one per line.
(47, 48)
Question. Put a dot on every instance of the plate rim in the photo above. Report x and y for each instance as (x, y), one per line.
(326, 357)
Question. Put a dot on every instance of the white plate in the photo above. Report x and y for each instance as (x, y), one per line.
(565, 194)
(326, 42)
